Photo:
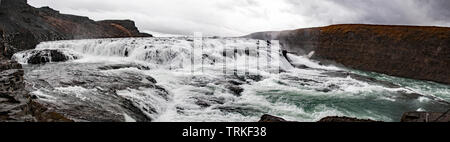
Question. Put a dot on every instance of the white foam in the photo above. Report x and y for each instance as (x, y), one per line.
(128, 118)
(423, 99)
(41, 95)
(169, 60)
(421, 110)
(304, 60)
(76, 91)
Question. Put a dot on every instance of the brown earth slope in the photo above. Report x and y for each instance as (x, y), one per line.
(405, 51)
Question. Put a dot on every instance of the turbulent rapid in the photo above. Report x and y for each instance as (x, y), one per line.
(212, 80)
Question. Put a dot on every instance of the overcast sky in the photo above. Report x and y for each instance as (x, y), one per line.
(240, 17)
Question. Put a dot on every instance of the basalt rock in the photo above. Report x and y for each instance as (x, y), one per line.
(15, 102)
(47, 55)
(426, 117)
(344, 119)
(270, 118)
(121, 66)
(22, 27)
(235, 90)
(404, 51)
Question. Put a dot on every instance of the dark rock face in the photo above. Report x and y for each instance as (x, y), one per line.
(270, 118)
(15, 102)
(426, 117)
(22, 27)
(405, 51)
(236, 90)
(344, 119)
(121, 66)
(13, 98)
(45, 56)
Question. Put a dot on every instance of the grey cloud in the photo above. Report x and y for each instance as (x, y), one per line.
(438, 9)
(238, 17)
(411, 12)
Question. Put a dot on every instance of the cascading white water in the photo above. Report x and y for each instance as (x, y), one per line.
(234, 79)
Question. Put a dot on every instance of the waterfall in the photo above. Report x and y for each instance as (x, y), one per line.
(235, 55)
(213, 79)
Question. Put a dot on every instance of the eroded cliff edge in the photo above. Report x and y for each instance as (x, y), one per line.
(405, 51)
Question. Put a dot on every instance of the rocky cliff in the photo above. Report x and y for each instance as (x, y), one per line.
(22, 27)
(15, 102)
(406, 51)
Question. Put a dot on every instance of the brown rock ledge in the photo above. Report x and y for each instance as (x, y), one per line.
(416, 52)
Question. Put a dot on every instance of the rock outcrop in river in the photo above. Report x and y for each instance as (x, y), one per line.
(405, 51)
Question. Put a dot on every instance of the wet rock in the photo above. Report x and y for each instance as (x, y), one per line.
(46, 56)
(256, 78)
(205, 102)
(16, 104)
(270, 118)
(122, 66)
(162, 92)
(301, 66)
(334, 87)
(325, 90)
(43, 114)
(329, 88)
(410, 96)
(303, 80)
(235, 90)
(426, 117)
(344, 119)
(246, 78)
(85, 93)
(151, 79)
(9, 64)
(202, 103)
(134, 111)
(234, 82)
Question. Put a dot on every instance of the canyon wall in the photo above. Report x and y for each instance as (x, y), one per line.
(405, 51)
